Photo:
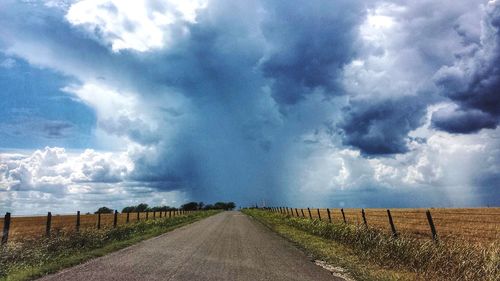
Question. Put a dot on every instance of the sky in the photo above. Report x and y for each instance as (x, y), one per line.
(322, 103)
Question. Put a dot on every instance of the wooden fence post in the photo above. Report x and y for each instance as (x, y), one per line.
(343, 215)
(302, 211)
(147, 215)
(161, 212)
(329, 216)
(310, 216)
(296, 212)
(364, 217)
(154, 214)
(393, 228)
(169, 213)
(78, 221)
(115, 218)
(431, 224)
(48, 225)
(128, 217)
(6, 228)
(319, 215)
(138, 214)
(99, 220)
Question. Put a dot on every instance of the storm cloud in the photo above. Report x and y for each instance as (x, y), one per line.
(259, 100)
(473, 81)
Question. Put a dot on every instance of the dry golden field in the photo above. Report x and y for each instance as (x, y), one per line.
(474, 224)
(34, 226)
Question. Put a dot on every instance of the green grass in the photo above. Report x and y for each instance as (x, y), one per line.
(368, 254)
(34, 258)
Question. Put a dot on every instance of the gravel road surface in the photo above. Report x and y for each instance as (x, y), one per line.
(228, 246)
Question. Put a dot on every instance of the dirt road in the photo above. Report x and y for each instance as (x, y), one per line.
(228, 246)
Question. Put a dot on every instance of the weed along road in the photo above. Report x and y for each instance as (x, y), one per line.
(227, 246)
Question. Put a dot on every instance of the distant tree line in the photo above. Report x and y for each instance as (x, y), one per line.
(145, 208)
(191, 206)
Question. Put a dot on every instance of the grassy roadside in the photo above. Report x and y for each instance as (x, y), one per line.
(37, 257)
(371, 255)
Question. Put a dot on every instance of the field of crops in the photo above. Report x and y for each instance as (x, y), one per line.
(35, 226)
(474, 224)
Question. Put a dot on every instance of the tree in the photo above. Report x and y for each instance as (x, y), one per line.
(224, 205)
(104, 210)
(230, 206)
(128, 209)
(220, 205)
(191, 206)
(141, 207)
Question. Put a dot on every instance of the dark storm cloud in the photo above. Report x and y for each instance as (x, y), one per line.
(463, 121)
(381, 127)
(473, 83)
(309, 46)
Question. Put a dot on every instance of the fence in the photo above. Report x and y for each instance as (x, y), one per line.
(473, 224)
(46, 225)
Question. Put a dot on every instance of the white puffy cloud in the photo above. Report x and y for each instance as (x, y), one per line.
(136, 25)
(55, 180)
(55, 169)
